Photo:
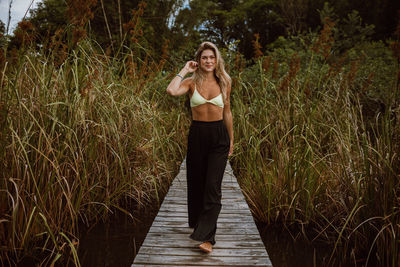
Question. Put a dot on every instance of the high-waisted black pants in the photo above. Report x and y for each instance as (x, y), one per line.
(207, 154)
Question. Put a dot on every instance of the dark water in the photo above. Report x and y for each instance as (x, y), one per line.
(116, 241)
(289, 248)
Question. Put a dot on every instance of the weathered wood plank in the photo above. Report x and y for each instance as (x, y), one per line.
(187, 243)
(181, 196)
(238, 241)
(229, 206)
(226, 186)
(209, 260)
(224, 200)
(164, 229)
(221, 219)
(173, 264)
(220, 225)
(195, 251)
(238, 237)
(172, 210)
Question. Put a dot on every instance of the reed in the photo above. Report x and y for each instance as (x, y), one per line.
(80, 139)
(84, 134)
(323, 152)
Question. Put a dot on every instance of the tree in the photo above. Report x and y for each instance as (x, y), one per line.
(47, 17)
(2, 27)
(110, 16)
(226, 22)
(293, 13)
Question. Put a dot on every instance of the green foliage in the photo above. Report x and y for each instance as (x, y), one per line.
(225, 22)
(348, 31)
(382, 14)
(351, 31)
(47, 17)
(3, 40)
(318, 145)
(2, 27)
(108, 26)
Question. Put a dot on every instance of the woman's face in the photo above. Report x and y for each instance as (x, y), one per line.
(207, 60)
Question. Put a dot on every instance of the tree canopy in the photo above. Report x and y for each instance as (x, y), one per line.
(183, 24)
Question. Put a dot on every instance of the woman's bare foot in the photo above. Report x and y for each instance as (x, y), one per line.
(206, 247)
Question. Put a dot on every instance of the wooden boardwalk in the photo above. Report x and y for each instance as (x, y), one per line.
(238, 242)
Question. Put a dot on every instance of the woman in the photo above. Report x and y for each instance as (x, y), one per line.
(210, 139)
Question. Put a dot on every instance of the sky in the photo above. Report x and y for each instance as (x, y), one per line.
(18, 10)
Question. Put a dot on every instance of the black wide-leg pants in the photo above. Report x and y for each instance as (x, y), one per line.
(207, 154)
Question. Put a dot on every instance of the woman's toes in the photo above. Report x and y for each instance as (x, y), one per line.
(206, 247)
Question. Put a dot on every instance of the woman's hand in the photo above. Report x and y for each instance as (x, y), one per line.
(230, 149)
(178, 85)
(191, 66)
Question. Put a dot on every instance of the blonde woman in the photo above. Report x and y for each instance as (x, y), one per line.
(210, 139)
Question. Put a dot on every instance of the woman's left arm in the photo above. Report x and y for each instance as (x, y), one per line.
(228, 118)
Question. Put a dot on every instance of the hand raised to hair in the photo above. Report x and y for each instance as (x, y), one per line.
(191, 66)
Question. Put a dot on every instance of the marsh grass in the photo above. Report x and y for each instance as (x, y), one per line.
(84, 134)
(80, 140)
(320, 148)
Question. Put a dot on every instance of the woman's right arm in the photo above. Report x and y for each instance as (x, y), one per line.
(178, 87)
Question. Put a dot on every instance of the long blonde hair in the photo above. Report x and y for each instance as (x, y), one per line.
(222, 77)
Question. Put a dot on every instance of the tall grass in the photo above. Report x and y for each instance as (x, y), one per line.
(80, 140)
(319, 145)
(84, 134)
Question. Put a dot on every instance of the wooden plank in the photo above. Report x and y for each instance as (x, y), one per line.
(180, 205)
(182, 195)
(173, 209)
(221, 219)
(209, 260)
(238, 240)
(174, 237)
(224, 200)
(227, 225)
(226, 187)
(187, 243)
(222, 213)
(163, 229)
(191, 265)
(195, 251)
(239, 214)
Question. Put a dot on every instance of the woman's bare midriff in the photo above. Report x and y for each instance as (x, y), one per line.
(207, 112)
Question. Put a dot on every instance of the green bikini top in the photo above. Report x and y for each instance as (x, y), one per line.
(197, 100)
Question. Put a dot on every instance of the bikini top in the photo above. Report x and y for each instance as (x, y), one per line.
(197, 100)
